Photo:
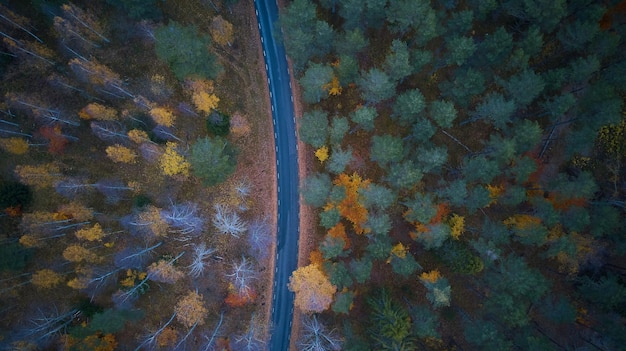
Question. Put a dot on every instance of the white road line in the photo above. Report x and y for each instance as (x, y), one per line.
(264, 53)
(292, 101)
(272, 108)
(262, 41)
(257, 12)
(266, 68)
(271, 95)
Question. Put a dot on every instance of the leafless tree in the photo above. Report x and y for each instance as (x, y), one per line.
(228, 221)
(316, 337)
(259, 238)
(200, 253)
(184, 218)
(251, 340)
(242, 276)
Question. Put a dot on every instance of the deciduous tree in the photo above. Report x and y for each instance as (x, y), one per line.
(314, 292)
(121, 154)
(222, 31)
(190, 310)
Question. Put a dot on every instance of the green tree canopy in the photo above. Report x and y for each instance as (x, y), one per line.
(314, 128)
(213, 159)
(186, 51)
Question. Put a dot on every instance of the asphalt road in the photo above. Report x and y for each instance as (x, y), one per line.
(287, 170)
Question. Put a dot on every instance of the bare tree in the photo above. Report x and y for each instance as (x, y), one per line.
(251, 340)
(72, 187)
(134, 257)
(200, 253)
(110, 131)
(184, 218)
(259, 238)
(242, 276)
(48, 324)
(316, 337)
(228, 221)
(150, 341)
(210, 341)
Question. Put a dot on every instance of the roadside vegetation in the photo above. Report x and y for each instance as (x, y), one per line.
(468, 181)
(134, 211)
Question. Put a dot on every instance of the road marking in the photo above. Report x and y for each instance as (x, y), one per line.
(263, 53)
(262, 40)
(266, 68)
(271, 95)
(292, 101)
(275, 135)
(272, 108)
(257, 12)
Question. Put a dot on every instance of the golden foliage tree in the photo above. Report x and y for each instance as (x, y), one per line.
(46, 278)
(457, 225)
(314, 291)
(121, 154)
(99, 112)
(95, 233)
(77, 253)
(76, 211)
(431, 276)
(339, 231)
(165, 272)
(15, 145)
(202, 94)
(162, 116)
(38, 176)
(172, 162)
(351, 207)
(334, 87)
(138, 136)
(222, 31)
(322, 153)
(190, 310)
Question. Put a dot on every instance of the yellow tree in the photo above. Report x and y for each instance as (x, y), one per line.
(314, 291)
(77, 253)
(38, 176)
(95, 233)
(222, 31)
(16, 146)
(322, 153)
(98, 111)
(138, 136)
(172, 162)
(457, 225)
(46, 278)
(121, 154)
(76, 211)
(202, 94)
(164, 271)
(190, 310)
(162, 116)
(351, 207)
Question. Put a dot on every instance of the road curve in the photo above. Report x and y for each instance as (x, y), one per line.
(283, 117)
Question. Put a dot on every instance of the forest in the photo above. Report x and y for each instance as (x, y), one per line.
(467, 185)
(130, 187)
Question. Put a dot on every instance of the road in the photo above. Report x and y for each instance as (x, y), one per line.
(287, 173)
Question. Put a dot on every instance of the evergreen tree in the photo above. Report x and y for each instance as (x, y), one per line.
(213, 160)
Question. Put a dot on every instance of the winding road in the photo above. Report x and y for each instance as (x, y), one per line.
(283, 116)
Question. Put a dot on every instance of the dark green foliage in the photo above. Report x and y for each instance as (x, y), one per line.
(386, 149)
(338, 274)
(408, 106)
(575, 219)
(576, 35)
(140, 201)
(390, 324)
(378, 223)
(421, 208)
(218, 123)
(405, 266)
(467, 83)
(377, 196)
(480, 168)
(495, 48)
(422, 130)
(582, 185)
(583, 68)
(419, 59)
(330, 218)
(455, 192)
(361, 269)
(379, 246)
(485, 335)
(459, 48)
(431, 159)
(397, 63)
(545, 13)
(186, 51)
(558, 309)
(438, 292)
(608, 292)
(495, 108)
(532, 41)
(332, 247)
(338, 129)
(314, 82)
(479, 197)
(339, 160)
(213, 159)
(88, 308)
(524, 87)
(351, 42)
(364, 116)
(458, 257)
(442, 112)
(532, 234)
(109, 321)
(606, 220)
(527, 135)
(348, 70)
(138, 9)
(14, 256)
(436, 235)
(376, 86)
(343, 302)
(425, 322)
(404, 175)
(460, 22)
(314, 128)
(413, 15)
(14, 194)
(514, 286)
(316, 189)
